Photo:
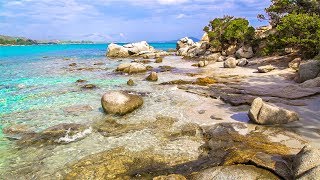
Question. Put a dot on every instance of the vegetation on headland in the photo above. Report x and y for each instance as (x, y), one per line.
(296, 24)
(8, 40)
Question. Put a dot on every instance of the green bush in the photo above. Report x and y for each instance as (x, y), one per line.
(301, 32)
(229, 30)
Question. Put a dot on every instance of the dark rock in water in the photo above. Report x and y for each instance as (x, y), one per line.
(205, 81)
(306, 164)
(77, 109)
(152, 77)
(130, 82)
(120, 103)
(17, 131)
(233, 172)
(99, 63)
(177, 82)
(263, 113)
(73, 64)
(215, 118)
(81, 81)
(59, 134)
(89, 86)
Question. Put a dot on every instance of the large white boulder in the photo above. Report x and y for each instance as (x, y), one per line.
(127, 50)
(244, 52)
(115, 50)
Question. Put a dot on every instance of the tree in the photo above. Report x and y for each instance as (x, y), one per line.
(229, 30)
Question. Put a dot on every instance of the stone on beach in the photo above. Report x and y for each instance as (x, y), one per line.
(120, 103)
(309, 70)
(131, 68)
(130, 82)
(242, 62)
(152, 77)
(230, 63)
(266, 69)
(266, 114)
(127, 50)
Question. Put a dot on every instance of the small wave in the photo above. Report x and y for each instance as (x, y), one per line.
(68, 139)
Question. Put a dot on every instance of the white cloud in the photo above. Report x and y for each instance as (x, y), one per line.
(180, 16)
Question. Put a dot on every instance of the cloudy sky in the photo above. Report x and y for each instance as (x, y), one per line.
(119, 20)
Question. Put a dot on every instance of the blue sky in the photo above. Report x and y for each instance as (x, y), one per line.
(119, 20)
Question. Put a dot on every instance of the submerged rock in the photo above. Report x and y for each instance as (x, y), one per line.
(61, 134)
(16, 131)
(241, 172)
(266, 69)
(152, 77)
(120, 103)
(89, 86)
(130, 82)
(263, 113)
(159, 60)
(77, 109)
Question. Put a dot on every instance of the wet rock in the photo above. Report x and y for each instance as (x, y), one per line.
(240, 172)
(81, 81)
(149, 68)
(61, 134)
(177, 82)
(99, 63)
(120, 103)
(294, 64)
(245, 52)
(215, 118)
(242, 62)
(170, 177)
(265, 114)
(152, 77)
(16, 131)
(202, 111)
(266, 69)
(130, 82)
(159, 60)
(309, 70)
(131, 68)
(89, 86)
(73, 64)
(77, 109)
(307, 162)
(230, 63)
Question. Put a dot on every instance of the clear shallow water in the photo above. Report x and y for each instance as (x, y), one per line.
(37, 83)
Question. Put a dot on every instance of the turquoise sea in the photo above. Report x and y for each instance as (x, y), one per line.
(38, 82)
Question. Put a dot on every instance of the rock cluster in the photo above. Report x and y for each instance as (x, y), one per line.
(134, 49)
(131, 68)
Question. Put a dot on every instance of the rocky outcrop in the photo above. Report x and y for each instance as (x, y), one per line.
(205, 38)
(294, 64)
(266, 69)
(203, 63)
(131, 68)
(309, 70)
(187, 48)
(266, 114)
(233, 172)
(307, 163)
(120, 103)
(230, 63)
(231, 50)
(115, 50)
(133, 49)
(244, 52)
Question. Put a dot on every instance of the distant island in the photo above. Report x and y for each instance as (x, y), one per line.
(8, 40)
